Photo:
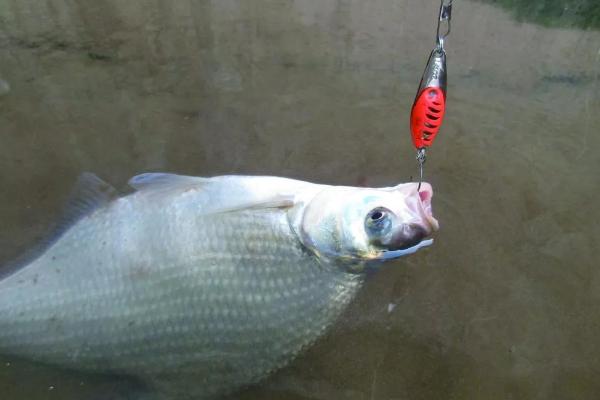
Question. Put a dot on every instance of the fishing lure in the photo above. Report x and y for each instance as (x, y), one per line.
(429, 106)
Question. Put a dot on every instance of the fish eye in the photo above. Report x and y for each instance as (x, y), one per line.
(378, 221)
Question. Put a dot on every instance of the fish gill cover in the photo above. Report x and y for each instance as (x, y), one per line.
(555, 13)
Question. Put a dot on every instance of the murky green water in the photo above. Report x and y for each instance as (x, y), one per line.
(507, 302)
(560, 13)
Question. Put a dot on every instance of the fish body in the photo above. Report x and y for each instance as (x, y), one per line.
(194, 286)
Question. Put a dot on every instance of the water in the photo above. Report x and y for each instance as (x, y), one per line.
(505, 305)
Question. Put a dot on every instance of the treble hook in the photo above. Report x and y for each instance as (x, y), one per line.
(444, 16)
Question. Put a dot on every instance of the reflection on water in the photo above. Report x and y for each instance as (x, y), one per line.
(506, 302)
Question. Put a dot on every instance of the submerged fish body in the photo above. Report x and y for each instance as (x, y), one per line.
(199, 286)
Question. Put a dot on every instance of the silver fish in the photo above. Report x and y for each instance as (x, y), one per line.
(199, 286)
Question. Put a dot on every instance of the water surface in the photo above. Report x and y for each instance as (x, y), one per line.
(506, 304)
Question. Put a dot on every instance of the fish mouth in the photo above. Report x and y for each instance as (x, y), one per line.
(422, 224)
(407, 236)
(425, 208)
(415, 235)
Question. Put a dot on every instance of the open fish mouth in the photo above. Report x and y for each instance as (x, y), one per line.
(425, 195)
(414, 236)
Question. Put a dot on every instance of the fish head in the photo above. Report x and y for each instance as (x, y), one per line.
(359, 227)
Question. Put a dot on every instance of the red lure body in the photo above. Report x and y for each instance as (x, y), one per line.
(429, 107)
(426, 116)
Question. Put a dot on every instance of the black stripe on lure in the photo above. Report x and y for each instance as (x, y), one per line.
(429, 107)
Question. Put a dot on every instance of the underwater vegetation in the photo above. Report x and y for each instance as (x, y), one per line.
(555, 13)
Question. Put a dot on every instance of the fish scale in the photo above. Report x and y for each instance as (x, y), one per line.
(94, 295)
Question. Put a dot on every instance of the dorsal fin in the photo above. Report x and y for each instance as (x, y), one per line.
(160, 181)
(89, 194)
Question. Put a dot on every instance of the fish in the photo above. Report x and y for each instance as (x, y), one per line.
(198, 287)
